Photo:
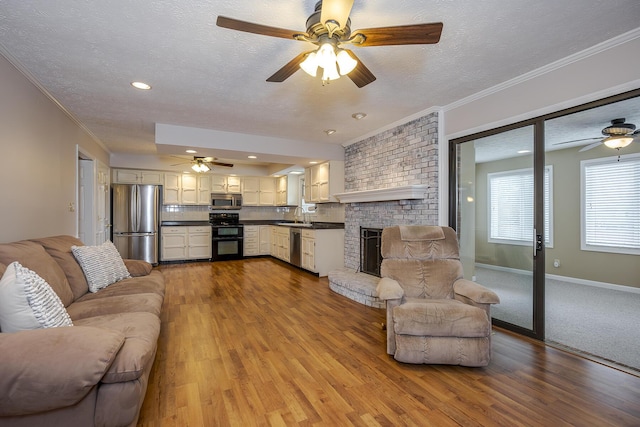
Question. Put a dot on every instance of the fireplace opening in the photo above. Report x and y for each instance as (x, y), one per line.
(370, 257)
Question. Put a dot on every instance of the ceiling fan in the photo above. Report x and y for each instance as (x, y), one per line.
(329, 27)
(203, 164)
(617, 135)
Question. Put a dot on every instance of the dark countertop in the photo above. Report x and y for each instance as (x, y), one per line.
(283, 223)
(184, 223)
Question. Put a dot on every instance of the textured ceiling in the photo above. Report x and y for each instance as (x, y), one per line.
(85, 54)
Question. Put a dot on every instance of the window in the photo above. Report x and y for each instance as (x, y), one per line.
(511, 207)
(611, 204)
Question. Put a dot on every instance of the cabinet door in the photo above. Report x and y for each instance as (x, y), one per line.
(151, 177)
(308, 253)
(267, 195)
(251, 240)
(265, 240)
(218, 184)
(125, 176)
(174, 243)
(171, 188)
(189, 190)
(199, 240)
(204, 190)
(322, 181)
(274, 240)
(251, 191)
(234, 184)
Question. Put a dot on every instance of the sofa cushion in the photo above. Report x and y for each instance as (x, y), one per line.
(138, 267)
(151, 284)
(440, 318)
(33, 256)
(43, 370)
(102, 265)
(134, 303)
(141, 331)
(59, 247)
(28, 302)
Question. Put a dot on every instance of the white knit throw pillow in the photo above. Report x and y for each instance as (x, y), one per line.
(102, 265)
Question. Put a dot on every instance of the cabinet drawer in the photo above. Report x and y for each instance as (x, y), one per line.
(174, 230)
(309, 233)
(200, 229)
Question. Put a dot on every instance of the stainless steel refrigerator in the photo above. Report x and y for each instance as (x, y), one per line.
(135, 217)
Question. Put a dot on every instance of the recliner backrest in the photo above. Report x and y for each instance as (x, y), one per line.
(425, 260)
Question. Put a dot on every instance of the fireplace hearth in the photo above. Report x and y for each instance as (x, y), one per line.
(370, 257)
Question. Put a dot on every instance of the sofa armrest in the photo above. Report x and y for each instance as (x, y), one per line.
(45, 369)
(137, 267)
(475, 292)
(388, 289)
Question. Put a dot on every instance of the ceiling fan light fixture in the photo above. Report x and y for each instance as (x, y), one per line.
(326, 55)
(345, 62)
(310, 64)
(618, 141)
(200, 167)
(330, 73)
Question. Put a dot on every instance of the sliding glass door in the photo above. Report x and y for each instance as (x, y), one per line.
(500, 229)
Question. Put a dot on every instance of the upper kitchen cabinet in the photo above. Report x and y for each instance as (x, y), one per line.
(287, 193)
(258, 191)
(129, 176)
(186, 189)
(225, 184)
(324, 180)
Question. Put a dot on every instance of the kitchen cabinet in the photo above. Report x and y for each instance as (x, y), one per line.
(180, 243)
(282, 239)
(322, 250)
(184, 189)
(265, 240)
(324, 180)
(258, 191)
(287, 193)
(273, 240)
(130, 176)
(225, 184)
(251, 240)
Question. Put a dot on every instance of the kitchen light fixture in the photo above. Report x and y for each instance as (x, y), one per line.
(141, 85)
(200, 167)
(252, 157)
(618, 141)
(330, 58)
(330, 131)
(359, 116)
(191, 151)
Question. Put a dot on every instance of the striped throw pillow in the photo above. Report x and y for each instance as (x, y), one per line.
(102, 265)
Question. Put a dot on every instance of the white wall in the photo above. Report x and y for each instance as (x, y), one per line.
(37, 161)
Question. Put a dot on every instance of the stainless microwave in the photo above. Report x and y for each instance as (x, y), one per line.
(226, 201)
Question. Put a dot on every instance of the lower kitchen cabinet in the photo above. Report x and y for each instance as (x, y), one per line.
(322, 250)
(180, 243)
(280, 243)
(257, 240)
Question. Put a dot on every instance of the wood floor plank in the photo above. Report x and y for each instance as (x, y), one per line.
(260, 343)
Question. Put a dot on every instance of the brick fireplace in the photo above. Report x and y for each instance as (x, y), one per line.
(403, 156)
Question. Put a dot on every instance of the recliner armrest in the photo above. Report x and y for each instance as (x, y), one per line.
(475, 292)
(389, 289)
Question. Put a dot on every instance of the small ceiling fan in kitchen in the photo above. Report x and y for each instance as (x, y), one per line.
(618, 134)
(329, 28)
(203, 164)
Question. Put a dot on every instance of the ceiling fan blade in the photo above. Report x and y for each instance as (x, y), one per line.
(287, 71)
(578, 140)
(590, 146)
(227, 165)
(336, 10)
(402, 34)
(250, 27)
(360, 75)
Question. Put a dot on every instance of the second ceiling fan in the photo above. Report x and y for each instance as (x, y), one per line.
(329, 27)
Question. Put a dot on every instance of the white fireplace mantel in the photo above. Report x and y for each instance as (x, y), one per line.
(406, 192)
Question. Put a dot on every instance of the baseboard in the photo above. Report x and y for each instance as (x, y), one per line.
(605, 285)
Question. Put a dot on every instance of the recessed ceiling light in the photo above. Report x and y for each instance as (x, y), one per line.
(524, 151)
(358, 116)
(191, 151)
(330, 131)
(252, 157)
(140, 85)
(296, 173)
(313, 163)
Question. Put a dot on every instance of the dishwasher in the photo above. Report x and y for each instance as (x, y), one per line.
(295, 249)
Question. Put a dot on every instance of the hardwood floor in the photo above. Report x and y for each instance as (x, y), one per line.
(258, 342)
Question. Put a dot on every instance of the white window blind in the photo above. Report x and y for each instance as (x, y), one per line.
(511, 207)
(611, 204)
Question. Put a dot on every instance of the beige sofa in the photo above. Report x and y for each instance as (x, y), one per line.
(95, 372)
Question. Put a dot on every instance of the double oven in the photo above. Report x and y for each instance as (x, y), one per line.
(226, 236)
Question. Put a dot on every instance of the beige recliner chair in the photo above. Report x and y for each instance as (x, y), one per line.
(434, 316)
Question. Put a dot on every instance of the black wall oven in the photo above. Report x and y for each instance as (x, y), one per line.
(226, 236)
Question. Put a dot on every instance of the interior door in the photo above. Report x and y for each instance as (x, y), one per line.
(498, 214)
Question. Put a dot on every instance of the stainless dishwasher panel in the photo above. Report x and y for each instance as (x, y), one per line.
(295, 247)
